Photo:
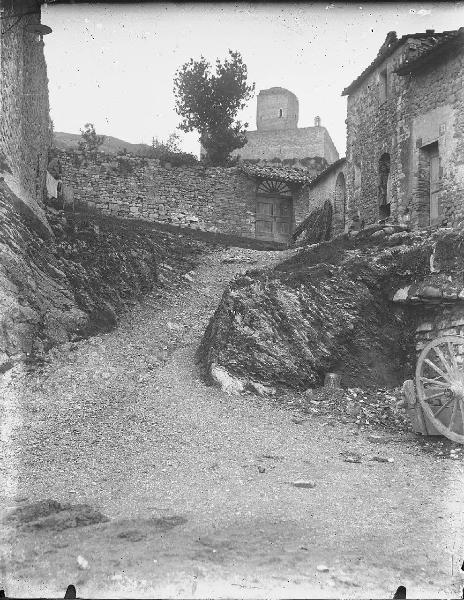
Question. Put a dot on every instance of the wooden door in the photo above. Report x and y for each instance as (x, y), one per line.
(274, 216)
(434, 188)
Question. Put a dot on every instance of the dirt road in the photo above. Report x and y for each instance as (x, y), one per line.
(198, 485)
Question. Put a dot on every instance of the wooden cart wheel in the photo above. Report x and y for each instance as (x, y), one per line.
(440, 385)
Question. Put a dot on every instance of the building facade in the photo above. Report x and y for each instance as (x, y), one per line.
(25, 134)
(277, 137)
(405, 132)
(330, 185)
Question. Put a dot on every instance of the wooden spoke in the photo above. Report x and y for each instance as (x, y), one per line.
(436, 382)
(444, 406)
(441, 356)
(450, 426)
(452, 357)
(437, 395)
(435, 368)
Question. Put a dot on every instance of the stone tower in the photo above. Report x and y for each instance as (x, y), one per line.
(277, 110)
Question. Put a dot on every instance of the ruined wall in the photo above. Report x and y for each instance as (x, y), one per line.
(418, 109)
(305, 142)
(24, 108)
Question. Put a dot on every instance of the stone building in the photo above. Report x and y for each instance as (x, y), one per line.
(255, 201)
(331, 185)
(405, 132)
(25, 123)
(278, 138)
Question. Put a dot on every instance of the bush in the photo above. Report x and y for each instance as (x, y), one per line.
(178, 159)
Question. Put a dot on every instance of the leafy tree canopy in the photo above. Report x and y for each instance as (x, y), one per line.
(90, 141)
(209, 102)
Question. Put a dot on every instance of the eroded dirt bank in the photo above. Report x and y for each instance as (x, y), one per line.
(198, 485)
(329, 308)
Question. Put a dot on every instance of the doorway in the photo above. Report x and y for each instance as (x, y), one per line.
(274, 212)
(429, 169)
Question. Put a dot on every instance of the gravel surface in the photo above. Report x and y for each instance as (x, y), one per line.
(208, 494)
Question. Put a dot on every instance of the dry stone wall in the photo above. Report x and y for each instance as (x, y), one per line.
(212, 199)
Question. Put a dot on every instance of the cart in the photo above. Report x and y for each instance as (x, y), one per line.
(440, 387)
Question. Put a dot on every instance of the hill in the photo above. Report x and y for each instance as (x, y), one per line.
(111, 145)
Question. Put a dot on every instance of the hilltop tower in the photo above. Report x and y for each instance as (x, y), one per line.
(278, 139)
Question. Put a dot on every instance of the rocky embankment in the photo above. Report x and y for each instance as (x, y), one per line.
(330, 308)
(74, 284)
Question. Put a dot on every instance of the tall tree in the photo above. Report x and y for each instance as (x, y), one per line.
(209, 102)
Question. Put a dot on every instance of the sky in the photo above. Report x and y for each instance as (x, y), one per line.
(113, 64)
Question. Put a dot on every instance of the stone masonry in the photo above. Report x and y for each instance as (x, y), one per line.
(25, 124)
(406, 106)
(212, 199)
(216, 199)
(278, 137)
(330, 186)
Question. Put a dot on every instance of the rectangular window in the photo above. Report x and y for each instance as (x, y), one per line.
(383, 85)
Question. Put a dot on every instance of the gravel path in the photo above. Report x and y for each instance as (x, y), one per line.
(197, 484)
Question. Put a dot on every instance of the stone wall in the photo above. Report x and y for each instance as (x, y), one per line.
(276, 109)
(419, 109)
(212, 199)
(305, 142)
(444, 320)
(331, 186)
(24, 125)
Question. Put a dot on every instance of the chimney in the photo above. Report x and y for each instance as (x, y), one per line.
(317, 121)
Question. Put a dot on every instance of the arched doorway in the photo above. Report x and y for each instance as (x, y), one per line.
(274, 211)
(340, 203)
(384, 187)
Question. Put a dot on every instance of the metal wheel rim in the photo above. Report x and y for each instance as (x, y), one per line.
(448, 384)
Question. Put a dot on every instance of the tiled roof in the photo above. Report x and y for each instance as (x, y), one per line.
(426, 40)
(280, 173)
(330, 168)
(429, 49)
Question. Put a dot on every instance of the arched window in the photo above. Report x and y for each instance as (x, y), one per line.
(274, 188)
(384, 186)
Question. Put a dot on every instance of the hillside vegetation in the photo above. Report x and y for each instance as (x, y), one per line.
(111, 145)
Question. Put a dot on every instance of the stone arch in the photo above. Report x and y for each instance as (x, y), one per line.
(340, 203)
